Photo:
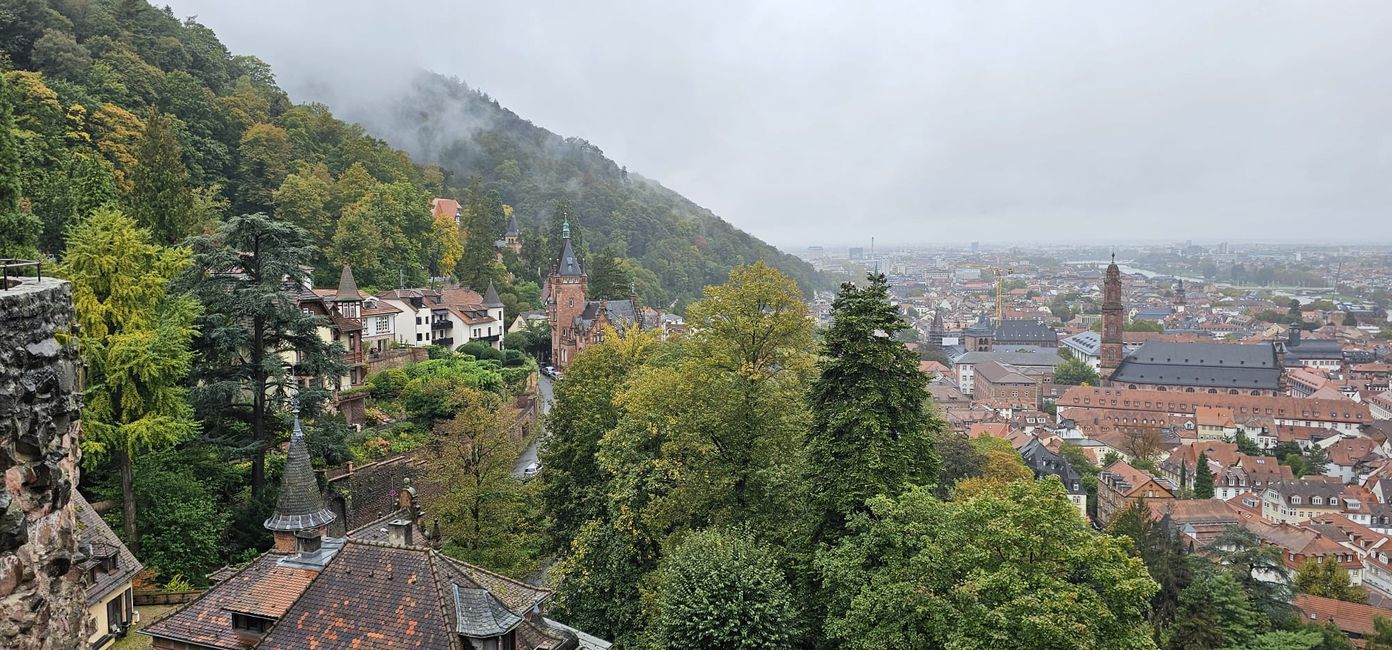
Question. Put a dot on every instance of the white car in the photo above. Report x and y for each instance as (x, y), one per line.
(532, 469)
(549, 371)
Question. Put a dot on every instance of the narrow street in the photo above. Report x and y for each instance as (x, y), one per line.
(529, 455)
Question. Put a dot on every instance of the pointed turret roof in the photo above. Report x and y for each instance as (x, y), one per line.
(570, 264)
(347, 287)
(300, 506)
(490, 298)
(513, 230)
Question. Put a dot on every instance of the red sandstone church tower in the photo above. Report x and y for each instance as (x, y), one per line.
(1112, 320)
(565, 301)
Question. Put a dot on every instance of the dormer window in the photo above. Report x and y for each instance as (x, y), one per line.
(249, 623)
(1333, 501)
(1318, 501)
(1295, 500)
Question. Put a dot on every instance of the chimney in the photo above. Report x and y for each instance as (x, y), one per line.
(308, 542)
(399, 532)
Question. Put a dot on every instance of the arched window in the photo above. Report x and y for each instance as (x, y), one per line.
(1295, 500)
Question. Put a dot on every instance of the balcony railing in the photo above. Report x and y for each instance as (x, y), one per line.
(442, 324)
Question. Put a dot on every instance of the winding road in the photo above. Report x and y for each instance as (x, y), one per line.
(529, 455)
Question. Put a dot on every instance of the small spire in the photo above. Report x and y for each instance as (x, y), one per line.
(565, 228)
(299, 505)
(490, 299)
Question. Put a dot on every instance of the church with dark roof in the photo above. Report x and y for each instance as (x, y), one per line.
(1230, 368)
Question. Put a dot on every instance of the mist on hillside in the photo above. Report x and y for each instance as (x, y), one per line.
(915, 122)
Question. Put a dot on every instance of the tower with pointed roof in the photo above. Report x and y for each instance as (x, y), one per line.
(300, 507)
(511, 238)
(347, 299)
(565, 301)
(1112, 317)
(1179, 298)
(493, 304)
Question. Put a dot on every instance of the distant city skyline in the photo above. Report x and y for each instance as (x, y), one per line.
(947, 121)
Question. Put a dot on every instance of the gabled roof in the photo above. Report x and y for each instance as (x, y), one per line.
(207, 621)
(1218, 365)
(92, 531)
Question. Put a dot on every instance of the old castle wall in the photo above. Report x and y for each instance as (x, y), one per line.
(41, 599)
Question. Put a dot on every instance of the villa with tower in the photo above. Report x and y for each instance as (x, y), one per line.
(577, 322)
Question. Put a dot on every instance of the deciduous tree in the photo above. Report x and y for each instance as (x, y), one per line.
(481, 505)
(1014, 568)
(718, 590)
(1325, 577)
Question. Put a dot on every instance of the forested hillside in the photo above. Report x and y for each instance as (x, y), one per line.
(673, 246)
(118, 102)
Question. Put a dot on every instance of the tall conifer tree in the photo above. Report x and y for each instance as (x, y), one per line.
(246, 275)
(135, 340)
(163, 200)
(871, 431)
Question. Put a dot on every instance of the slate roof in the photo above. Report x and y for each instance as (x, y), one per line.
(490, 299)
(621, 313)
(1325, 349)
(1025, 331)
(1045, 462)
(92, 530)
(299, 506)
(1209, 365)
(347, 287)
(569, 264)
(512, 229)
(478, 613)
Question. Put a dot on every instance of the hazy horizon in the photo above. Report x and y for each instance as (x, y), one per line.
(810, 124)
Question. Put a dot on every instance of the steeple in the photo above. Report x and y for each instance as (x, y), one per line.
(569, 265)
(347, 287)
(299, 506)
(490, 299)
(512, 231)
(1112, 321)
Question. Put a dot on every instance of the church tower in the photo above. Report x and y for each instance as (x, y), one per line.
(565, 291)
(1179, 297)
(1112, 318)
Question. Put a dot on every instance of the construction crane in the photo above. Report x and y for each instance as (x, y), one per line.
(1000, 293)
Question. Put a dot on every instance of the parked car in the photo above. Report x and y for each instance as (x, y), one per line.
(549, 371)
(532, 469)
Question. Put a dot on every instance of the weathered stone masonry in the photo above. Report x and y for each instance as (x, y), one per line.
(41, 598)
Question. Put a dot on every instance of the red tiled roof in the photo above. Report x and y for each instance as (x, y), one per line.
(1353, 618)
(264, 588)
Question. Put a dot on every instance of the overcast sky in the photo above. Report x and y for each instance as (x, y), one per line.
(809, 122)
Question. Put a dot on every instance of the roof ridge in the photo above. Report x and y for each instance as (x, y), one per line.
(500, 576)
(455, 642)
